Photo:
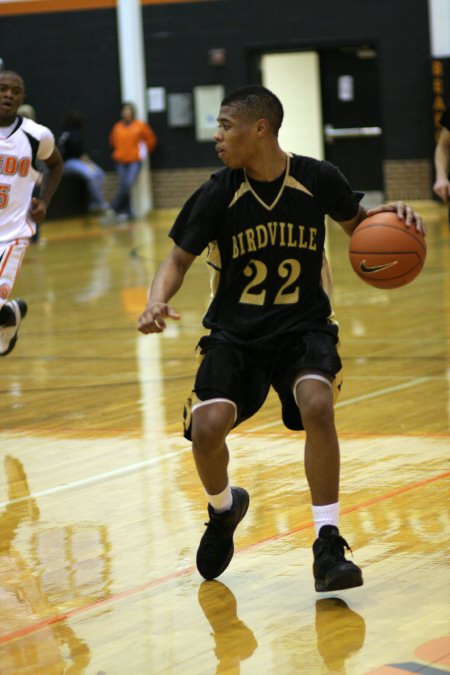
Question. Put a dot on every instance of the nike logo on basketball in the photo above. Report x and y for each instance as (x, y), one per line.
(375, 268)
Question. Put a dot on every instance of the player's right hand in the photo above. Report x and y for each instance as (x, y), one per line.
(152, 319)
(38, 210)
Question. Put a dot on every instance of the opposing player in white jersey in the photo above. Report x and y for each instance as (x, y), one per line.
(22, 142)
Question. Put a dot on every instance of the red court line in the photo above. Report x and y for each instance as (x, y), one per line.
(173, 429)
(349, 509)
(44, 623)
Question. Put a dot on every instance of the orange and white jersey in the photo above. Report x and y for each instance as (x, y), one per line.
(21, 145)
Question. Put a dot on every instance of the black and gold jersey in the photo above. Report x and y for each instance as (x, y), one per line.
(265, 246)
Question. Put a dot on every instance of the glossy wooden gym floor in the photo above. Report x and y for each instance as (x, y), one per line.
(101, 510)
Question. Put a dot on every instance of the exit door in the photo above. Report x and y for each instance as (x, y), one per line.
(351, 115)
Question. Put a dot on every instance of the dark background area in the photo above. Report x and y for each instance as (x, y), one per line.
(70, 60)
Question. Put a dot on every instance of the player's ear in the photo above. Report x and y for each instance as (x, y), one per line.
(262, 126)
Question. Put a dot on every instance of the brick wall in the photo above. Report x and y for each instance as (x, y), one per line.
(110, 185)
(404, 179)
(408, 179)
(171, 187)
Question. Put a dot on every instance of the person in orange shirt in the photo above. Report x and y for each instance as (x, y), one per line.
(131, 140)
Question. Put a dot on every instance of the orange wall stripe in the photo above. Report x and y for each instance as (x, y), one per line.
(44, 6)
(47, 6)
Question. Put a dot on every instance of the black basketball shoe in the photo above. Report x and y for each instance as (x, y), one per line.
(12, 314)
(332, 572)
(216, 546)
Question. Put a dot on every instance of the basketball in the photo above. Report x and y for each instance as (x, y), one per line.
(385, 253)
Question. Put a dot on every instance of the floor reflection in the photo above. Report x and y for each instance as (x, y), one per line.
(234, 641)
(340, 633)
(44, 648)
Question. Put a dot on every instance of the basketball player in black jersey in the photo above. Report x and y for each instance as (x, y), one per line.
(270, 323)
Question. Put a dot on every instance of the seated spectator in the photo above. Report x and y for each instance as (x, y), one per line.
(76, 161)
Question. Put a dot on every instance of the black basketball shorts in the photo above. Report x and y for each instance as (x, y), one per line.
(244, 375)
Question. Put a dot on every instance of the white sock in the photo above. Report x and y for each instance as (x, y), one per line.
(325, 515)
(222, 501)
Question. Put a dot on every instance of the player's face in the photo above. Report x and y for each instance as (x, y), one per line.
(235, 138)
(12, 95)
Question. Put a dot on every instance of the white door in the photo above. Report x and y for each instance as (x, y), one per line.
(295, 79)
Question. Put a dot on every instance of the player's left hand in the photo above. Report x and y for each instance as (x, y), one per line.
(38, 210)
(403, 211)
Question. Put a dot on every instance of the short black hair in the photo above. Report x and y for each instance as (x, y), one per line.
(12, 73)
(259, 102)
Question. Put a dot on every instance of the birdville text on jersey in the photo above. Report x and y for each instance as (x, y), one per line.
(274, 234)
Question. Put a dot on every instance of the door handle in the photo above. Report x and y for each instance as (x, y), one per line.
(351, 132)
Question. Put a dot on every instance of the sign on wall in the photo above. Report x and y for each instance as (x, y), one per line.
(207, 100)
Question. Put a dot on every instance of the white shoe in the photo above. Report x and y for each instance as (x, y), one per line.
(8, 333)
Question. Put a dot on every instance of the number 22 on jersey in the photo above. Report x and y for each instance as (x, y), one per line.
(288, 293)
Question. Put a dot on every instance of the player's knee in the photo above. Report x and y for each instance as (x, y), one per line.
(210, 426)
(204, 436)
(317, 409)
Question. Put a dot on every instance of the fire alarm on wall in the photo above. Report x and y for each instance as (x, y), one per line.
(217, 57)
